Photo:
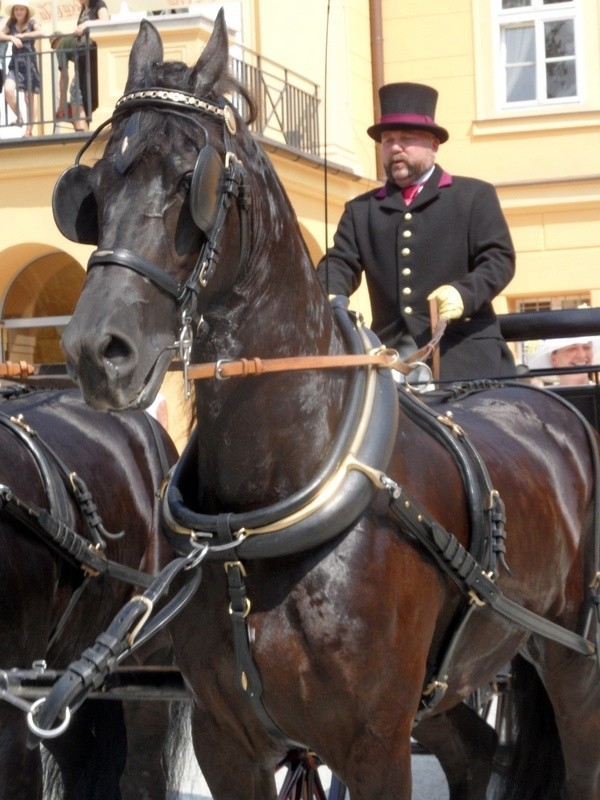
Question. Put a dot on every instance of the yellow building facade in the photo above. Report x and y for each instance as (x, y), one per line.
(519, 85)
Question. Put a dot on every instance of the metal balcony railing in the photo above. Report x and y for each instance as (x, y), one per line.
(68, 88)
(288, 104)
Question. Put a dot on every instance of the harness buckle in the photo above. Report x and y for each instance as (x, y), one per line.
(238, 564)
(218, 374)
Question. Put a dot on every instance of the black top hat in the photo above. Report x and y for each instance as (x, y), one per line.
(407, 105)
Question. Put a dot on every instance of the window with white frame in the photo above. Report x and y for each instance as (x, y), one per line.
(540, 52)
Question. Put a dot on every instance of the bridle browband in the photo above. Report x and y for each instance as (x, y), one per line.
(177, 99)
(232, 186)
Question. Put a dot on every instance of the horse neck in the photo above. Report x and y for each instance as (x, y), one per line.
(263, 437)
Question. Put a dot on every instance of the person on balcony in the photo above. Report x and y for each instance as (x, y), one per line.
(22, 73)
(75, 47)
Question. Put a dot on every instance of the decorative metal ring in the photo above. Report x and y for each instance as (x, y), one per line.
(52, 733)
(415, 365)
(246, 611)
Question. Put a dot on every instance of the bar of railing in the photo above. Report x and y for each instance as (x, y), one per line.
(59, 60)
(528, 325)
(288, 104)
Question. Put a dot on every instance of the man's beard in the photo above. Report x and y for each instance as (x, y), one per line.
(410, 172)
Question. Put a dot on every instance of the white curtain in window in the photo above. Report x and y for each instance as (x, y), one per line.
(520, 62)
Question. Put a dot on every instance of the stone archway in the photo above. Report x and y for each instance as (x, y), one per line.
(37, 305)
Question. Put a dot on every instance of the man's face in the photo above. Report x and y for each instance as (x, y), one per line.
(407, 154)
(573, 355)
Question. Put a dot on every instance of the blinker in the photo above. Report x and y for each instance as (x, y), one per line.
(205, 189)
(74, 206)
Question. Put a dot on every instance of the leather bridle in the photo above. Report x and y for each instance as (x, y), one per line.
(233, 187)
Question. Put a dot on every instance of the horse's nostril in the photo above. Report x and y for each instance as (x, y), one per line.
(116, 349)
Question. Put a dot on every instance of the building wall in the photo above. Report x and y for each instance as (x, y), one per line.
(546, 166)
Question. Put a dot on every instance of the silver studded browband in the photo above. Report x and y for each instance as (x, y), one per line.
(224, 113)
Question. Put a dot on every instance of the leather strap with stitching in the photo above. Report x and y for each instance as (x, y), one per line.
(245, 367)
(16, 369)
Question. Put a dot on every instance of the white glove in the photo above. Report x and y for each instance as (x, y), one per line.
(339, 300)
(449, 302)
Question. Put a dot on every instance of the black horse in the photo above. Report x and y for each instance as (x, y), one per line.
(370, 580)
(78, 523)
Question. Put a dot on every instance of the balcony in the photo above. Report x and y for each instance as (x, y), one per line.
(94, 76)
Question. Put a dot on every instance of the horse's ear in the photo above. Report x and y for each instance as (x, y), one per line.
(147, 50)
(213, 62)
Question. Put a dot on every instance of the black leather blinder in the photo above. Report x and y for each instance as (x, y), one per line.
(205, 189)
(76, 212)
(74, 206)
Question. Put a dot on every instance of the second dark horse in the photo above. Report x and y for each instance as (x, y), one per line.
(55, 448)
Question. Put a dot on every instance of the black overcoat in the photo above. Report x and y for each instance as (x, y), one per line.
(453, 232)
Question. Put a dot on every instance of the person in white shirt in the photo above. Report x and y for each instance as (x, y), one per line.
(564, 354)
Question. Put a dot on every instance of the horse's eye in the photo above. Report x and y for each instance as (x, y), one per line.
(186, 181)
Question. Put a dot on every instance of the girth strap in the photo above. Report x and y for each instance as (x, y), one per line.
(468, 575)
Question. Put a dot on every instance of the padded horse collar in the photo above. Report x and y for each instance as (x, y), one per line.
(333, 500)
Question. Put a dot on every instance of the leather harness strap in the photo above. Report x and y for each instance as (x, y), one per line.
(69, 544)
(468, 575)
(53, 526)
(16, 369)
(382, 357)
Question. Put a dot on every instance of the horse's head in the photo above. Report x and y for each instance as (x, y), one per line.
(166, 206)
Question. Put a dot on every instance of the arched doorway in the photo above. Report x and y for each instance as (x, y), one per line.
(37, 306)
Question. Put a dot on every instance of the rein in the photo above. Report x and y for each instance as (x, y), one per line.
(383, 357)
(16, 370)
